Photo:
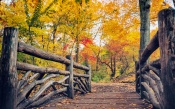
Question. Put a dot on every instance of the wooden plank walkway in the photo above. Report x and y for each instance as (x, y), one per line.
(104, 96)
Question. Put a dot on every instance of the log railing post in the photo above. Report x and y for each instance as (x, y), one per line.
(89, 79)
(69, 68)
(8, 73)
(166, 33)
(140, 74)
(136, 77)
(89, 73)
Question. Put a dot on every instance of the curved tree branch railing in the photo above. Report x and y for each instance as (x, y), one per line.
(155, 81)
(39, 85)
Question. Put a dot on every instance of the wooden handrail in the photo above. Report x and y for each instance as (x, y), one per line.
(28, 49)
(149, 49)
(44, 70)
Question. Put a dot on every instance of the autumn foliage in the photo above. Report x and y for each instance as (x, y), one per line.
(104, 32)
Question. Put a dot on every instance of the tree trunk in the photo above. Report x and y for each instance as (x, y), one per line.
(77, 49)
(8, 73)
(144, 31)
(145, 22)
(167, 50)
(114, 65)
(97, 61)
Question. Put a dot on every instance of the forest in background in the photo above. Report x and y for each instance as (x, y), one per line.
(105, 32)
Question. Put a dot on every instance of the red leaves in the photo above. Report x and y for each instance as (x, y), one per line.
(86, 41)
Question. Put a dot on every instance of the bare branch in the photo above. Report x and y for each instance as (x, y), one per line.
(146, 95)
(84, 84)
(158, 81)
(151, 95)
(153, 86)
(47, 98)
(155, 70)
(36, 96)
(21, 95)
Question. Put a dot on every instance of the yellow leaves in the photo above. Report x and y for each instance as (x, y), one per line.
(110, 7)
(156, 6)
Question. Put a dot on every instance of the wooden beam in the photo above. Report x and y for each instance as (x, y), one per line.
(44, 70)
(150, 48)
(28, 49)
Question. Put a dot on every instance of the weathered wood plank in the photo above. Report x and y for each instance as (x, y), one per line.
(28, 49)
(8, 73)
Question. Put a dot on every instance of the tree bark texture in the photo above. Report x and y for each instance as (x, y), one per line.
(145, 22)
(8, 73)
(167, 48)
(144, 33)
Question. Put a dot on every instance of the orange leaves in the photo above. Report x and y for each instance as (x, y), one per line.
(87, 53)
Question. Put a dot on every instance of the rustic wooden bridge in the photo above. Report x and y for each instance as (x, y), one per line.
(155, 81)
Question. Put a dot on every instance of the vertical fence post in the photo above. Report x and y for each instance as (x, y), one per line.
(141, 78)
(69, 68)
(166, 33)
(8, 73)
(89, 79)
(89, 73)
(136, 77)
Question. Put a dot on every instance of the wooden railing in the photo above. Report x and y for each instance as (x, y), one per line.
(39, 85)
(155, 81)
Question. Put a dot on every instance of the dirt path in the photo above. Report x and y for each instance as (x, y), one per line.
(104, 96)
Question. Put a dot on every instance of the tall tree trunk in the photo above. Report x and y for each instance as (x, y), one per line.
(97, 62)
(77, 49)
(145, 22)
(31, 42)
(54, 36)
(144, 31)
(114, 65)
